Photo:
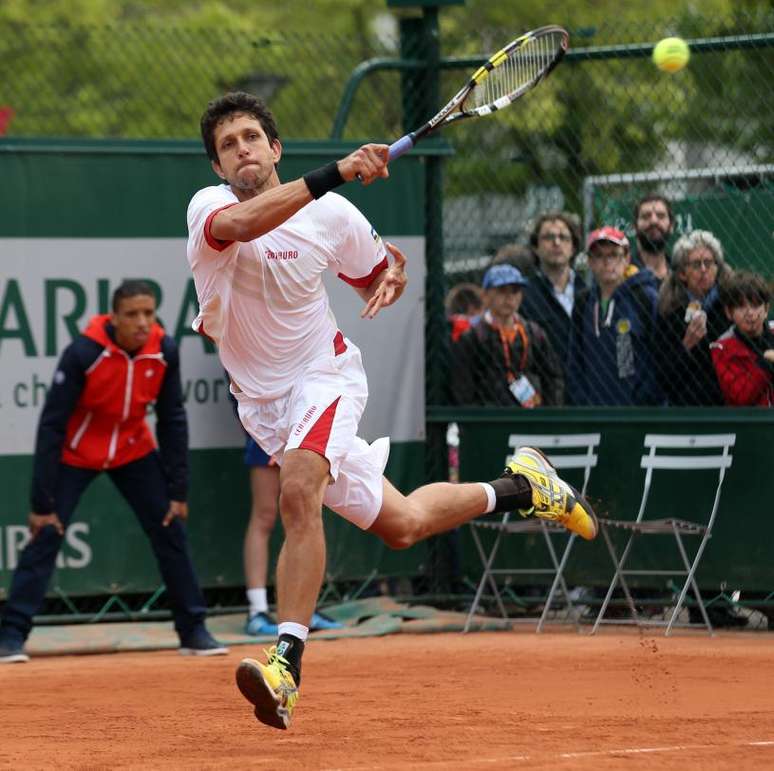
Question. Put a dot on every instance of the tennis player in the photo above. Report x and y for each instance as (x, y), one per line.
(257, 248)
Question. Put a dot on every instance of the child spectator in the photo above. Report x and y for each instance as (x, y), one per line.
(611, 357)
(744, 355)
(503, 360)
(463, 303)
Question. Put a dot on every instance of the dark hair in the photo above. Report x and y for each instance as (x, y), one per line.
(228, 105)
(571, 220)
(648, 199)
(464, 299)
(132, 287)
(518, 255)
(744, 286)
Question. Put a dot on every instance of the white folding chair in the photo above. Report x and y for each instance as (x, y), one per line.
(582, 455)
(684, 453)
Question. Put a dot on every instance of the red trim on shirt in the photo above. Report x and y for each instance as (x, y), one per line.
(203, 332)
(339, 346)
(365, 281)
(215, 243)
(317, 438)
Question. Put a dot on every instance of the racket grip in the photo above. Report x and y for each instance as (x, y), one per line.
(401, 146)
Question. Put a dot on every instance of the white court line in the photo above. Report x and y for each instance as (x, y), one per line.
(564, 755)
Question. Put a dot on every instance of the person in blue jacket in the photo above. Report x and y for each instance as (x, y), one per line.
(94, 422)
(611, 356)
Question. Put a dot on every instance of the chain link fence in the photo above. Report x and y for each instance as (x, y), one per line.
(634, 319)
(153, 82)
(606, 129)
(628, 323)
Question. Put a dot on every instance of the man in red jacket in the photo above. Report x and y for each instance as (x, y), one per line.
(93, 421)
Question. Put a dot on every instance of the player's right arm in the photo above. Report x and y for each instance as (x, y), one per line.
(257, 216)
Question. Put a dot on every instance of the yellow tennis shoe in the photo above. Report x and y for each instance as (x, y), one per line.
(270, 687)
(552, 497)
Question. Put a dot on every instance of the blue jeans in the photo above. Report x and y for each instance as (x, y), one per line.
(142, 484)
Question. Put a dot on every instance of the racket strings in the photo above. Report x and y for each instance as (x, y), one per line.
(523, 66)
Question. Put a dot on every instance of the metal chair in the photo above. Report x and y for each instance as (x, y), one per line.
(555, 446)
(686, 460)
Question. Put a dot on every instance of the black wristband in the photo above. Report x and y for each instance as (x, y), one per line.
(321, 180)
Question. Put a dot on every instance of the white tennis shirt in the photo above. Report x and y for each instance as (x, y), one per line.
(263, 302)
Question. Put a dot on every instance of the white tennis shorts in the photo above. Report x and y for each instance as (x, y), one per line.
(322, 413)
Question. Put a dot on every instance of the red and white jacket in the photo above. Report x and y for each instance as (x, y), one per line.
(94, 416)
(745, 380)
(108, 427)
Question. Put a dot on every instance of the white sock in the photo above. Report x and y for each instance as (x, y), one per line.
(257, 599)
(297, 630)
(491, 498)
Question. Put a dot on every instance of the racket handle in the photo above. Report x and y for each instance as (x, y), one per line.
(401, 146)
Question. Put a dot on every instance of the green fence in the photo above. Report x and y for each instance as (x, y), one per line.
(61, 268)
(737, 553)
(604, 129)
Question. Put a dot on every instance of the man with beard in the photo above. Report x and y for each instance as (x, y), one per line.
(654, 223)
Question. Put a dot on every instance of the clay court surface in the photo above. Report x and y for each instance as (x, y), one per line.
(502, 700)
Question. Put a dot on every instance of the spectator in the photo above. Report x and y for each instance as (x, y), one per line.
(264, 490)
(654, 223)
(549, 298)
(518, 255)
(503, 360)
(93, 420)
(610, 361)
(690, 318)
(744, 355)
(463, 302)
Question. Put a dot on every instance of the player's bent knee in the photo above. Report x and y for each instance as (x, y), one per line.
(402, 534)
(400, 541)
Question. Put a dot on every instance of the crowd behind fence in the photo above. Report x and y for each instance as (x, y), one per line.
(659, 187)
(605, 130)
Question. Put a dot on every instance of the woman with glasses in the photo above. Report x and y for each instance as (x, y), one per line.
(690, 318)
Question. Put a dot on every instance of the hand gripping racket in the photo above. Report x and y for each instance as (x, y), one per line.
(506, 76)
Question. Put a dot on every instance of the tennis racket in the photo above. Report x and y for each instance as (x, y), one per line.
(507, 75)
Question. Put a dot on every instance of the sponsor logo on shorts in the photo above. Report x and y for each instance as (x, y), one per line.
(289, 254)
(305, 420)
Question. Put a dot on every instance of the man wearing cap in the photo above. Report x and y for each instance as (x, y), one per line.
(504, 360)
(611, 355)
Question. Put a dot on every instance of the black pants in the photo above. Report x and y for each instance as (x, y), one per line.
(143, 486)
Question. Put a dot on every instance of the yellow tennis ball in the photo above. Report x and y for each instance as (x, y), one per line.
(671, 54)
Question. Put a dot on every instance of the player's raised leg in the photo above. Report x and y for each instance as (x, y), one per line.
(529, 485)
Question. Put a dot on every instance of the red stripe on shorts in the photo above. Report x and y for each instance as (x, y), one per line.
(339, 346)
(215, 243)
(317, 438)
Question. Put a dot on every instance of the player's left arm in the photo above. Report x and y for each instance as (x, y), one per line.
(387, 287)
